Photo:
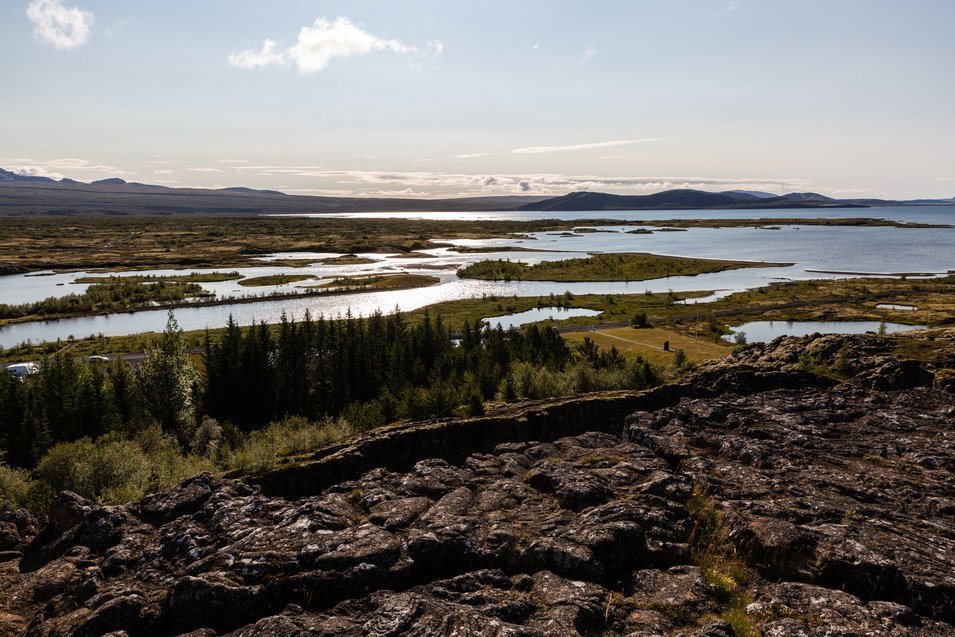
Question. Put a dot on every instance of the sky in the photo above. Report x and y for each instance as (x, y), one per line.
(428, 98)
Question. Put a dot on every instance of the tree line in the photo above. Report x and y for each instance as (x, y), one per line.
(313, 380)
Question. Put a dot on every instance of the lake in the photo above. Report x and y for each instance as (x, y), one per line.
(507, 321)
(765, 331)
(816, 252)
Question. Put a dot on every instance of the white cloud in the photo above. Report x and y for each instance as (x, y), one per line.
(543, 183)
(325, 40)
(56, 168)
(164, 171)
(232, 161)
(204, 170)
(62, 27)
(404, 192)
(36, 171)
(268, 55)
(588, 54)
(471, 155)
(557, 149)
(291, 170)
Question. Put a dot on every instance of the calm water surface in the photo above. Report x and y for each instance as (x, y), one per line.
(765, 331)
(507, 321)
(815, 251)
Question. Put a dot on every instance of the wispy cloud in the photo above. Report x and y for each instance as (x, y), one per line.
(291, 170)
(232, 161)
(424, 183)
(36, 171)
(116, 28)
(59, 26)
(471, 155)
(323, 41)
(57, 168)
(560, 149)
(588, 54)
(204, 170)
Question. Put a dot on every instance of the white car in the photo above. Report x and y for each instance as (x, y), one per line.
(22, 370)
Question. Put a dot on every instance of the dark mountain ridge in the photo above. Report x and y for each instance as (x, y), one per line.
(682, 199)
(27, 194)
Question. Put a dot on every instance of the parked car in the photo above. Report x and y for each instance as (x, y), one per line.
(22, 370)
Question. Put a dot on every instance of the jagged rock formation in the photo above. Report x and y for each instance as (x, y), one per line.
(754, 495)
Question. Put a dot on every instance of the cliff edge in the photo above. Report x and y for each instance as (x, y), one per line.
(804, 487)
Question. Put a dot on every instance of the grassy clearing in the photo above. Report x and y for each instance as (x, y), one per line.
(602, 267)
(274, 279)
(648, 343)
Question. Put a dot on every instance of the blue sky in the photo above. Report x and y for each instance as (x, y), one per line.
(845, 97)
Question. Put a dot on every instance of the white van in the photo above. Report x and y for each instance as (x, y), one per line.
(22, 370)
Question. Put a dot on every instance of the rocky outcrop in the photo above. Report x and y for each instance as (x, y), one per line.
(831, 508)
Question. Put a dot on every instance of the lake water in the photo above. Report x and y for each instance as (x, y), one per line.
(815, 251)
(925, 214)
(765, 331)
(895, 306)
(507, 321)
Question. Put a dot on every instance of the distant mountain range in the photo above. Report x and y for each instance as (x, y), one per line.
(699, 199)
(27, 194)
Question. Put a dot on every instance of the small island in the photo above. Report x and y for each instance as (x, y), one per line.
(603, 267)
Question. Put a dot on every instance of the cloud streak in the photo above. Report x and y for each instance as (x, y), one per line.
(424, 183)
(322, 42)
(56, 168)
(571, 147)
(59, 26)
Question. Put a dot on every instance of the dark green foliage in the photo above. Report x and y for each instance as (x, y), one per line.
(640, 320)
(333, 377)
(376, 369)
(166, 379)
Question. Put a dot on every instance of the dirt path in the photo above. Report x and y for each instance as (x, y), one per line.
(627, 340)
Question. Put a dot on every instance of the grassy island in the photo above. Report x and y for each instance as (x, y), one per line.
(192, 277)
(274, 279)
(602, 267)
(378, 282)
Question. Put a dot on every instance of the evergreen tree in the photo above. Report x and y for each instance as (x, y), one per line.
(166, 376)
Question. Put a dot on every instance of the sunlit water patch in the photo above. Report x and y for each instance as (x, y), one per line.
(507, 321)
(896, 306)
(765, 331)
